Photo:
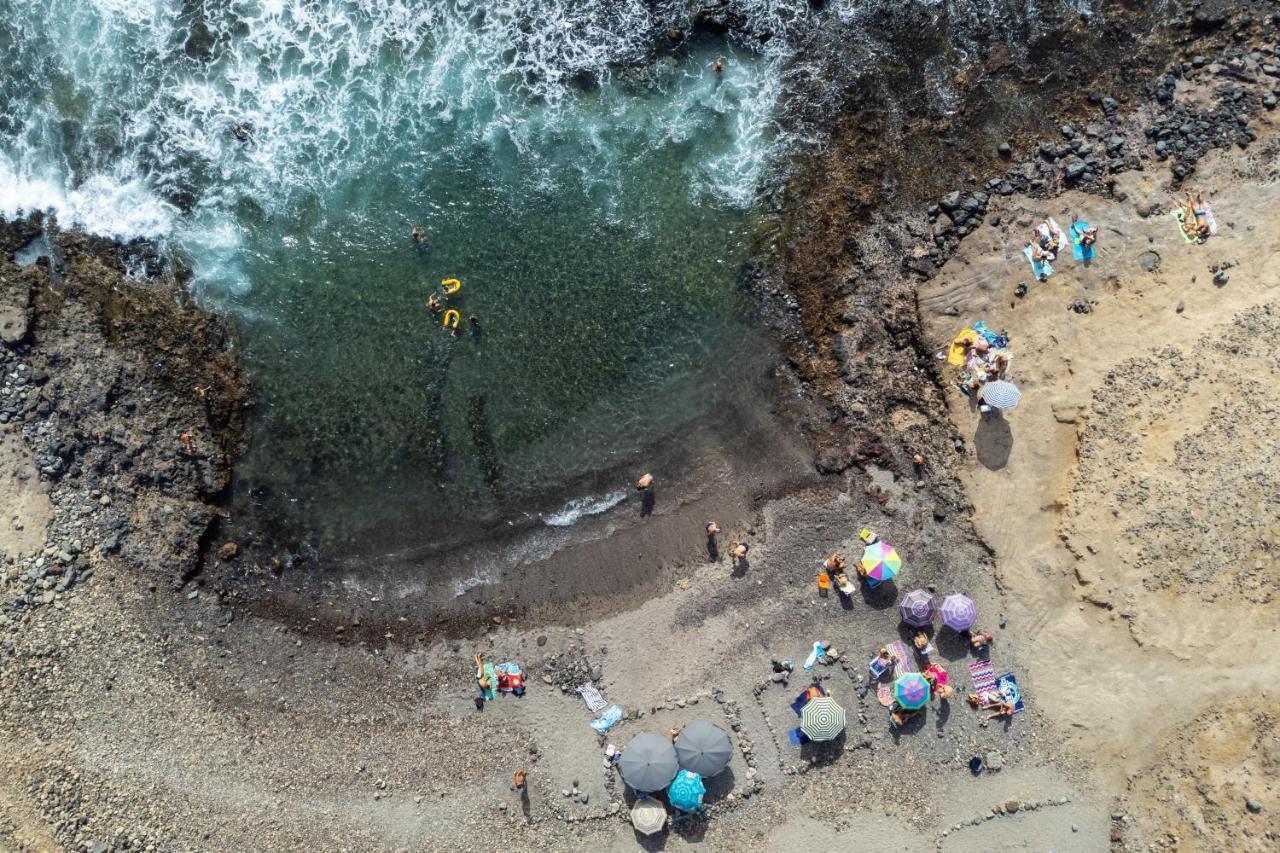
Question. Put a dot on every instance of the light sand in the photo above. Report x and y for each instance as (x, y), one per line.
(1130, 500)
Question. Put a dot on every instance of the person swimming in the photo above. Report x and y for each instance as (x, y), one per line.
(435, 304)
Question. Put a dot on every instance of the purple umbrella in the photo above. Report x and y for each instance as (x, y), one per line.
(959, 612)
(918, 607)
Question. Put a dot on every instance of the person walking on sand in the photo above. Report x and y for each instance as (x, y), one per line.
(713, 547)
(738, 551)
(519, 780)
(645, 483)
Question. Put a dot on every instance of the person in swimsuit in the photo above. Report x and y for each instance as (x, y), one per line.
(1195, 218)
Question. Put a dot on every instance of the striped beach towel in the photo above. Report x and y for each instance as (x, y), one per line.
(906, 663)
(590, 695)
(984, 676)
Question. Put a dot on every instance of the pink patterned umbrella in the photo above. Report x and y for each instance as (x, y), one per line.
(918, 608)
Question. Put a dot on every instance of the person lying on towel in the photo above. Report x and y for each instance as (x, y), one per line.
(1195, 217)
(1044, 243)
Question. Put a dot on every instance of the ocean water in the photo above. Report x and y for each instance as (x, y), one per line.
(595, 202)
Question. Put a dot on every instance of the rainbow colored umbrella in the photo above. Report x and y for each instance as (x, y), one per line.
(958, 612)
(911, 690)
(881, 562)
(918, 608)
(685, 791)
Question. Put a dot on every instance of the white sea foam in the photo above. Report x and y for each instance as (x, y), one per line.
(104, 204)
(579, 508)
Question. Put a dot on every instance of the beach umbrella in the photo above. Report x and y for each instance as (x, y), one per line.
(685, 791)
(999, 394)
(822, 718)
(911, 690)
(959, 612)
(703, 748)
(648, 816)
(918, 608)
(881, 561)
(648, 762)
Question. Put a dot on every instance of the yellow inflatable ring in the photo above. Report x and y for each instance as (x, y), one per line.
(451, 319)
(450, 285)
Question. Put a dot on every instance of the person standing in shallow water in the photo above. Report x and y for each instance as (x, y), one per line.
(645, 487)
(718, 65)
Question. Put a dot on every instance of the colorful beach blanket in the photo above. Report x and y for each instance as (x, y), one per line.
(984, 676)
(602, 723)
(491, 675)
(590, 695)
(1078, 248)
(1007, 684)
(906, 663)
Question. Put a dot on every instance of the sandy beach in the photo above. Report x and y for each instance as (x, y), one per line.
(167, 687)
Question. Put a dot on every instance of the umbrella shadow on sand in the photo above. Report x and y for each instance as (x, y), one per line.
(882, 596)
(993, 441)
(951, 646)
(719, 785)
(821, 753)
(913, 725)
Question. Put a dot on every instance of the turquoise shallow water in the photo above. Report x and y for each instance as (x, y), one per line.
(594, 203)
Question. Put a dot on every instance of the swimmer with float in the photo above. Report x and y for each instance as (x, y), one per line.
(451, 320)
(450, 285)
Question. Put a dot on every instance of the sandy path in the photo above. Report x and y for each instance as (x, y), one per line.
(1101, 492)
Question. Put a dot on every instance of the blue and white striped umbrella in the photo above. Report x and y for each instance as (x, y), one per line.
(1002, 395)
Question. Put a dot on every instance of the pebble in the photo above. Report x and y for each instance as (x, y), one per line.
(1253, 806)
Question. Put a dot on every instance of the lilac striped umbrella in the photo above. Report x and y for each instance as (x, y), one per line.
(959, 612)
(918, 608)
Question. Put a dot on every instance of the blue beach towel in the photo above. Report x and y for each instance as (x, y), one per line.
(1007, 684)
(1040, 269)
(602, 723)
(1079, 249)
(797, 737)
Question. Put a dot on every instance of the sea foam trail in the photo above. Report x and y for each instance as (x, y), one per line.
(579, 508)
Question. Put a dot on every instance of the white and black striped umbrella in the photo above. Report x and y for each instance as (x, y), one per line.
(1002, 395)
(822, 719)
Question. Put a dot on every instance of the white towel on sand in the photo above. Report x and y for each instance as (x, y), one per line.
(590, 695)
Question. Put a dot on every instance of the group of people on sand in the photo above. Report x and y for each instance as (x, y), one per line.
(738, 549)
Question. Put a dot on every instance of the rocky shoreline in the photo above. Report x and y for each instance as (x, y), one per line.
(105, 375)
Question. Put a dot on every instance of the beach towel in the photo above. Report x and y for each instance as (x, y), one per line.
(998, 340)
(959, 346)
(984, 676)
(1007, 684)
(1040, 269)
(590, 695)
(491, 674)
(812, 659)
(797, 737)
(1179, 214)
(1078, 248)
(906, 663)
(510, 678)
(602, 723)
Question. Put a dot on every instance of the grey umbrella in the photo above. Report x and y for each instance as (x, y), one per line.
(1000, 395)
(703, 748)
(648, 762)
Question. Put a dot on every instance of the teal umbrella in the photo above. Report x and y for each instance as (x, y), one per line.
(685, 792)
